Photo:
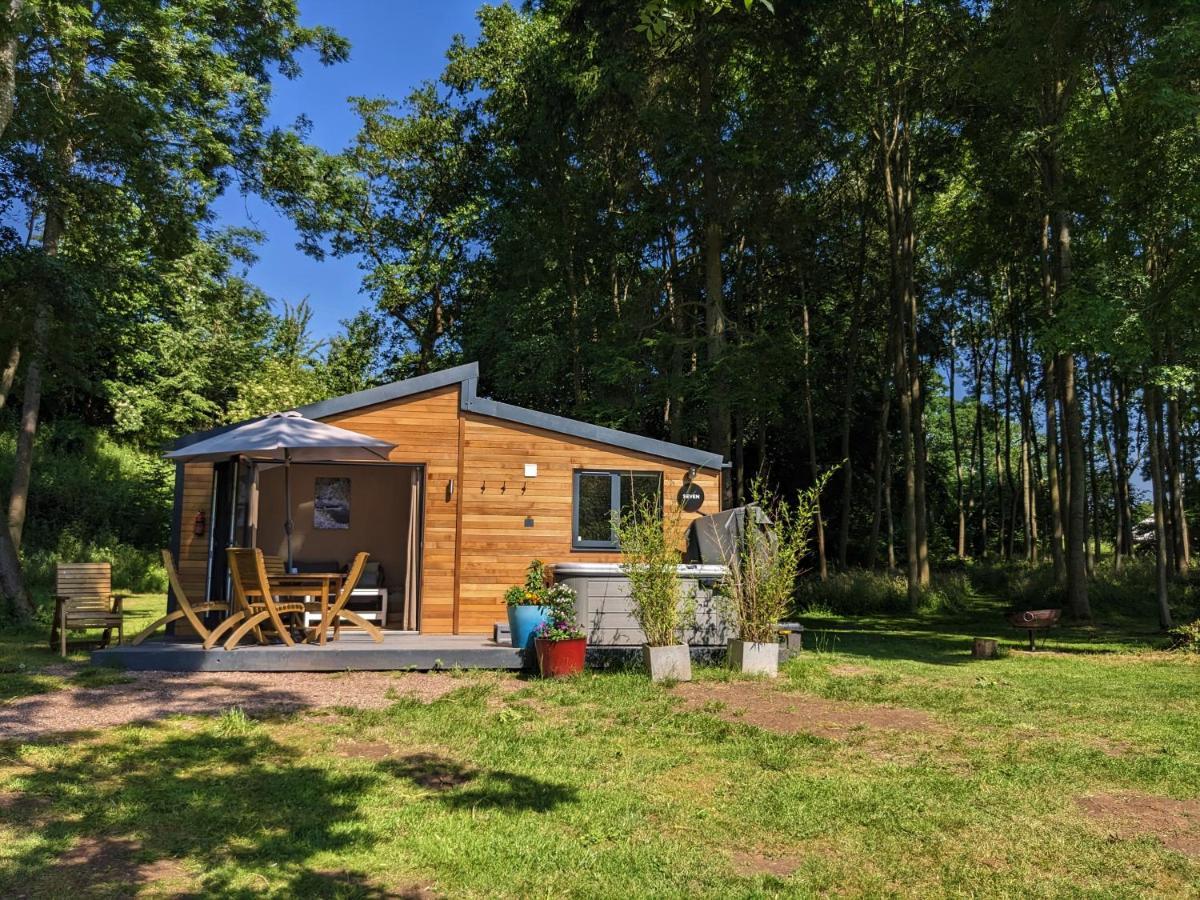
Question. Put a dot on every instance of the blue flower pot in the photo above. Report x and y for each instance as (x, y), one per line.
(523, 621)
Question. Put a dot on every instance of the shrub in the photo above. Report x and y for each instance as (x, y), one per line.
(1186, 637)
(650, 561)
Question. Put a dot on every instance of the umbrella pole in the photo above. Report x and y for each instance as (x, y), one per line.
(287, 503)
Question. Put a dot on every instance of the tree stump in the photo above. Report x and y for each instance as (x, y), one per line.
(984, 648)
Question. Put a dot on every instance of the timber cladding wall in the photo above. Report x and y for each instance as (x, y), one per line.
(497, 498)
(193, 550)
(475, 541)
(424, 429)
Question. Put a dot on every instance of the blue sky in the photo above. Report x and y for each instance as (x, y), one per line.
(394, 46)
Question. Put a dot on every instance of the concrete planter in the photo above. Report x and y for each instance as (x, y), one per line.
(673, 662)
(754, 659)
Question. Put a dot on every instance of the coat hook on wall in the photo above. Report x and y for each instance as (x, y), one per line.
(524, 486)
(482, 487)
(504, 487)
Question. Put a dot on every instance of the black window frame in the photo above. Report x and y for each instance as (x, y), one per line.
(613, 543)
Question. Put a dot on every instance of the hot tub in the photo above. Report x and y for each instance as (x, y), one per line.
(603, 607)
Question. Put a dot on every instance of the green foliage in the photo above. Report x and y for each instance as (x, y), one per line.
(1186, 637)
(560, 624)
(650, 559)
(92, 500)
(760, 586)
(533, 591)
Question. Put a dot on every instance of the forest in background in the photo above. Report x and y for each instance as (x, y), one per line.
(945, 248)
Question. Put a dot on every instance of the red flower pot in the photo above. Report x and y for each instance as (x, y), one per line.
(559, 658)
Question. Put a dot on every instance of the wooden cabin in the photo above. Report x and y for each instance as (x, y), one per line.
(473, 490)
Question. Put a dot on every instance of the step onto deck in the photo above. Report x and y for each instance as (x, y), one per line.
(355, 652)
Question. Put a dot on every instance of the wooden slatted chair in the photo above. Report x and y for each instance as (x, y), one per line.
(83, 598)
(253, 588)
(338, 611)
(184, 607)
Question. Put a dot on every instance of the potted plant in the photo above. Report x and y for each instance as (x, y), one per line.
(559, 641)
(757, 590)
(650, 560)
(527, 608)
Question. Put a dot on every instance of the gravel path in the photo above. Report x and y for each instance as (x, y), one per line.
(156, 695)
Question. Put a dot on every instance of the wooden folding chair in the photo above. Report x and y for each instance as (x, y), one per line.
(252, 590)
(338, 611)
(83, 598)
(184, 607)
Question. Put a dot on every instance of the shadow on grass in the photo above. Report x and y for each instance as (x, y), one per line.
(947, 640)
(489, 789)
(110, 818)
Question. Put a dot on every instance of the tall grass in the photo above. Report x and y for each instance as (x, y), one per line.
(862, 592)
(1128, 596)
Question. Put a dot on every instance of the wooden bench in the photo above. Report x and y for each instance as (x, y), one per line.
(83, 599)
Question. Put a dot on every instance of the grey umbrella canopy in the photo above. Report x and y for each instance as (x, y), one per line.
(286, 437)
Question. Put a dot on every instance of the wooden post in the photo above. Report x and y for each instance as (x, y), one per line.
(983, 648)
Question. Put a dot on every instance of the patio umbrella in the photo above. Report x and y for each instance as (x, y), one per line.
(283, 438)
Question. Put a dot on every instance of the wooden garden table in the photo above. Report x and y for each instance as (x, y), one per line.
(310, 584)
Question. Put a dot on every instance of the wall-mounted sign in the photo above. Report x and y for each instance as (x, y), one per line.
(691, 497)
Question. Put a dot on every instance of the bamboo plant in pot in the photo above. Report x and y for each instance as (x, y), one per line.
(560, 643)
(650, 560)
(527, 608)
(758, 589)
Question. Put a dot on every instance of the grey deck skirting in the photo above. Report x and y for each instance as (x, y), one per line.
(355, 653)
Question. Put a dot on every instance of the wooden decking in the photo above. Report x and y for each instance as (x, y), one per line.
(353, 651)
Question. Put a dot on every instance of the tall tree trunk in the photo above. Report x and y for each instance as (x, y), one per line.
(1105, 420)
(1051, 391)
(847, 461)
(819, 525)
(849, 388)
(1093, 482)
(1001, 510)
(1009, 481)
(961, 543)
(10, 46)
(887, 500)
(881, 483)
(1028, 477)
(979, 490)
(9, 373)
(679, 337)
(1174, 473)
(1120, 417)
(1077, 576)
(1154, 439)
(712, 245)
(31, 401)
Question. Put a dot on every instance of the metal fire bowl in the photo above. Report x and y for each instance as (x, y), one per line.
(1035, 618)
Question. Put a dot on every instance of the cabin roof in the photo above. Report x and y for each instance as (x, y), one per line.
(468, 376)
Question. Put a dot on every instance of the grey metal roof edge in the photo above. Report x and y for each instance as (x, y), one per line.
(464, 374)
(573, 427)
(468, 376)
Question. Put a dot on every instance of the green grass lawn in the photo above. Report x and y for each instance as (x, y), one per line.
(25, 653)
(606, 786)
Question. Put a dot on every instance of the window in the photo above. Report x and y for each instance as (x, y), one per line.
(601, 495)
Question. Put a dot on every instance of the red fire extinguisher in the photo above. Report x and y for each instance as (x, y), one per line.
(198, 524)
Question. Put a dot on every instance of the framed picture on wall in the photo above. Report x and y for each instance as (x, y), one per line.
(331, 504)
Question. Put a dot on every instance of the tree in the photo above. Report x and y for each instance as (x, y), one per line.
(132, 117)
